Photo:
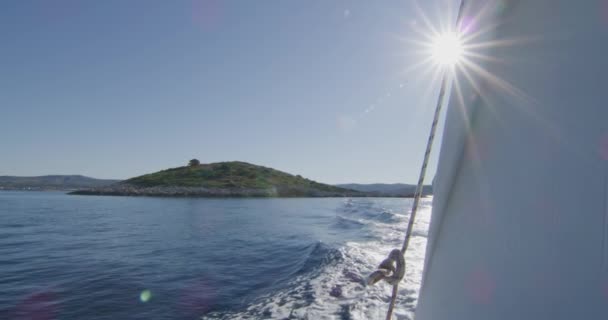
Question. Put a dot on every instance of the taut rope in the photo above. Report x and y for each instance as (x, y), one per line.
(392, 269)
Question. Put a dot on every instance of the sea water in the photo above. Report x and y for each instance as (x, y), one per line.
(94, 257)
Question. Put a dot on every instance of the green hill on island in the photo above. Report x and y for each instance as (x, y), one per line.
(222, 179)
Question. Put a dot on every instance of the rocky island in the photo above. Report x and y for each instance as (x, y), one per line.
(222, 179)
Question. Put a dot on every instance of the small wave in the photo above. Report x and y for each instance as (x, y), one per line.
(368, 210)
(330, 281)
(346, 223)
(355, 206)
(319, 255)
(335, 290)
(388, 217)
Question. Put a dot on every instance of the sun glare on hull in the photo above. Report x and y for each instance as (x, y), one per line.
(447, 49)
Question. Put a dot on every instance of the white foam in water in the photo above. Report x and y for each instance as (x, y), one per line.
(336, 290)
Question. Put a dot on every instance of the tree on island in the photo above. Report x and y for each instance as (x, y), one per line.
(194, 163)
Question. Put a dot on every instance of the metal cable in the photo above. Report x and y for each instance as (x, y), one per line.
(388, 273)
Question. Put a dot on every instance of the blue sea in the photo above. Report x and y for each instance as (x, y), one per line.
(95, 257)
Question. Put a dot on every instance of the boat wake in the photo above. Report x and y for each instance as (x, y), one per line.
(330, 280)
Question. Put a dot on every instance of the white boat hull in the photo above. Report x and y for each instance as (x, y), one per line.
(519, 227)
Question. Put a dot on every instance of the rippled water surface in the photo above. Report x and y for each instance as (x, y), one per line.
(79, 257)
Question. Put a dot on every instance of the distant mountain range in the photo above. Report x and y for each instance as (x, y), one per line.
(389, 190)
(52, 182)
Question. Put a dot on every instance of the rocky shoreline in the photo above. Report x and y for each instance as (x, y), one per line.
(177, 191)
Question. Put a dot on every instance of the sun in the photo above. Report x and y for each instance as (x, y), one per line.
(447, 49)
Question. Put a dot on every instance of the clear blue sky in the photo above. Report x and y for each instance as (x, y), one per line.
(114, 89)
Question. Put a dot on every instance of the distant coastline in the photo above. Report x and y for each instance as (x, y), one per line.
(215, 180)
(52, 183)
(400, 190)
(124, 189)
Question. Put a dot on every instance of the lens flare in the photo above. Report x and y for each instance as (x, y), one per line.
(145, 296)
(447, 49)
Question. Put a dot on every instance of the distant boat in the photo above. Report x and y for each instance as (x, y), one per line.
(519, 226)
